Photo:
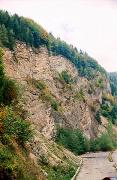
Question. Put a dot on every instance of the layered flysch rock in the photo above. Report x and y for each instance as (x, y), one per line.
(25, 64)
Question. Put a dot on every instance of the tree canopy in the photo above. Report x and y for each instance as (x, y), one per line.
(14, 28)
(113, 82)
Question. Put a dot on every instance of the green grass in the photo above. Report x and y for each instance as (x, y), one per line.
(60, 172)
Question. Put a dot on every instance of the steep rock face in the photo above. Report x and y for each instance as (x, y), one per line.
(25, 63)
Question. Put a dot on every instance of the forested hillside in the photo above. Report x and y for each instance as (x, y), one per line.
(13, 28)
(113, 82)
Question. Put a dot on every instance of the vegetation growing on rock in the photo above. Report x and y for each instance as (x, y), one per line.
(73, 140)
(113, 82)
(79, 144)
(14, 132)
(109, 108)
(13, 28)
(65, 77)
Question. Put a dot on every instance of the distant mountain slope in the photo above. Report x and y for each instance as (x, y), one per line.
(113, 82)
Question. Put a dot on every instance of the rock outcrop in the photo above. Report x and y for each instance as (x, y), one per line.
(25, 64)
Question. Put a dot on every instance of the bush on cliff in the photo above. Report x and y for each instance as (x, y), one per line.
(75, 141)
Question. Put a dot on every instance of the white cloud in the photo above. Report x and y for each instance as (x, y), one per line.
(90, 25)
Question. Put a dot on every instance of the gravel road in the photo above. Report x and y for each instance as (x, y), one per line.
(96, 166)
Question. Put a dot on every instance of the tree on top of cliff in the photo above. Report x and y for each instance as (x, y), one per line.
(15, 28)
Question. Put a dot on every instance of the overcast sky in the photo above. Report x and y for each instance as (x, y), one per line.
(90, 25)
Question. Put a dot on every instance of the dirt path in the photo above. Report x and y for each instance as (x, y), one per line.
(96, 166)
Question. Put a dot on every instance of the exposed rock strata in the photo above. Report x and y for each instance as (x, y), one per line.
(25, 63)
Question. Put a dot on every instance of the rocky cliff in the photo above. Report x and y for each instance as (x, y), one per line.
(58, 89)
(51, 100)
(27, 65)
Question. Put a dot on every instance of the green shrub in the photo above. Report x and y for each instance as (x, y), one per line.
(100, 83)
(6, 163)
(46, 96)
(113, 82)
(17, 127)
(109, 111)
(65, 77)
(80, 95)
(45, 93)
(8, 88)
(5, 155)
(108, 97)
(105, 143)
(91, 89)
(97, 117)
(73, 140)
(5, 139)
(14, 164)
(10, 92)
(60, 172)
(94, 145)
(40, 85)
(54, 104)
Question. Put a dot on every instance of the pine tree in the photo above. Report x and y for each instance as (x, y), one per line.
(3, 36)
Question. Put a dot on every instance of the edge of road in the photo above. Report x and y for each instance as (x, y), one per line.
(78, 170)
